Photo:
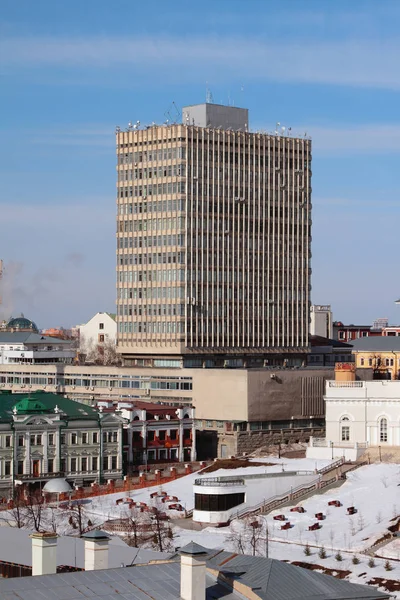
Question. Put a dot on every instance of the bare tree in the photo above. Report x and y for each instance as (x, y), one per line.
(163, 534)
(17, 514)
(249, 536)
(135, 528)
(360, 521)
(35, 505)
(51, 519)
(237, 537)
(79, 518)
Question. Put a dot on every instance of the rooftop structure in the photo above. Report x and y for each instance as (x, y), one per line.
(321, 320)
(21, 324)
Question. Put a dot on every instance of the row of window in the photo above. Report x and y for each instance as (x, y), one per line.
(166, 310)
(137, 208)
(155, 172)
(150, 241)
(388, 362)
(158, 276)
(155, 258)
(72, 438)
(165, 293)
(160, 189)
(217, 502)
(158, 385)
(160, 224)
(152, 155)
(82, 464)
(382, 429)
(156, 327)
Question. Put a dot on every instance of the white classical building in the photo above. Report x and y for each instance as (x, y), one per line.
(101, 329)
(358, 414)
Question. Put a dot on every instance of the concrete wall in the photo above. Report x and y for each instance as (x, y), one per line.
(280, 397)
(247, 442)
(221, 394)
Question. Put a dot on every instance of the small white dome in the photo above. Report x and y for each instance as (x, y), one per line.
(57, 486)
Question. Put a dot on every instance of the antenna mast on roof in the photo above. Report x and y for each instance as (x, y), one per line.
(209, 96)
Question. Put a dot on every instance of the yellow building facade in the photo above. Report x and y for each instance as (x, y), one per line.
(381, 354)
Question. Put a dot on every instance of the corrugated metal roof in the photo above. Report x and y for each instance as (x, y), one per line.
(377, 343)
(151, 582)
(16, 548)
(269, 579)
(274, 580)
(27, 337)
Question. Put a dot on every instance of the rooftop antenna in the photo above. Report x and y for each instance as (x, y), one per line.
(170, 118)
(209, 96)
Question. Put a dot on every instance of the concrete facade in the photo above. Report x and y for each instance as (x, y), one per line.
(194, 203)
(239, 395)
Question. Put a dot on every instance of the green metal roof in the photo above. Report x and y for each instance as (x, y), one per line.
(29, 405)
(44, 402)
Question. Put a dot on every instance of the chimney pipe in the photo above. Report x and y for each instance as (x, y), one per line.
(96, 550)
(44, 553)
(193, 572)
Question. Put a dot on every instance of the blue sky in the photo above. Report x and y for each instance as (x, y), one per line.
(72, 71)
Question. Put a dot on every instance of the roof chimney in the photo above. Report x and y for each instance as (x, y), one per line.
(44, 553)
(96, 550)
(193, 572)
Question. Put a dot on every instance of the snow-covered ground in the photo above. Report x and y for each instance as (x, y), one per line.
(182, 488)
(391, 550)
(373, 490)
(361, 573)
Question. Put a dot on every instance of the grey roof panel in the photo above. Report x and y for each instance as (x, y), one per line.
(377, 343)
(270, 580)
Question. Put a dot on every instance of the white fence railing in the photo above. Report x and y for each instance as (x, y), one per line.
(324, 443)
(274, 501)
(346, 384)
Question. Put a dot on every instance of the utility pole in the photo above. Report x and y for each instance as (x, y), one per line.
(266, 541)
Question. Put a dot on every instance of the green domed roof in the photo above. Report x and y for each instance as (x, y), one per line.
(22, 323)
(30, 405)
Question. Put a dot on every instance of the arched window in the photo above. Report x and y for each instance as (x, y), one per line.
(383, 430)
(362, 362)
(345, 429)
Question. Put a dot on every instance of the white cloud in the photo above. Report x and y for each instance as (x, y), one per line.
(356, 62)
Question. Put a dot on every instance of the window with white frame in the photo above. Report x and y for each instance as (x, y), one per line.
(345, 429)
(383, 430)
